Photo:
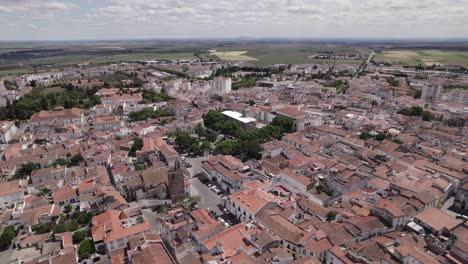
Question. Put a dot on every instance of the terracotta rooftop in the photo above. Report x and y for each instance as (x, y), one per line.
(438, 220)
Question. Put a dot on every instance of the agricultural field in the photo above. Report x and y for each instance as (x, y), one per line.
(233, 55)
(424, 57)
(290, 53)
(35, 56)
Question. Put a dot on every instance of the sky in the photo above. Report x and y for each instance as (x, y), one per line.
(184, 19)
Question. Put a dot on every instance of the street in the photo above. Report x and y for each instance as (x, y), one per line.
(364, 65)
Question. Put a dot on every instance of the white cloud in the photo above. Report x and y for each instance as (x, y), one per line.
(306, 9)
(226, 18)
(38, 8)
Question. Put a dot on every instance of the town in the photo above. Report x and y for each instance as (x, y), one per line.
(210, 161)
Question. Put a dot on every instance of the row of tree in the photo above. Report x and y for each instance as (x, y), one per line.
(419, 111)
(150, 96)
(243, 143)
(36, 100)
(69, 161)
(190, 144)
(147, 113)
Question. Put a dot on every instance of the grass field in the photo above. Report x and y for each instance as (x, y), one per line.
(424, 57)
(290, 53)
(233, 56)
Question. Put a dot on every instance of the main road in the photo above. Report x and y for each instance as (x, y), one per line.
(363, 66)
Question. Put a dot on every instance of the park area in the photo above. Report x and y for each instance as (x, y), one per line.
(424, 57)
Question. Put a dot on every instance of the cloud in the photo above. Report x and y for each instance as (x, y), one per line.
(225, 18)
(41, 7)
(300, 7)
(305, 9)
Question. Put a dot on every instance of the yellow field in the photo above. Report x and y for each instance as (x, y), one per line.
(400, 54)
(425, 57)
(233, 56)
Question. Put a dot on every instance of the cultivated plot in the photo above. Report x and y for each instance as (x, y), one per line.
(233, 55)
(424, 57)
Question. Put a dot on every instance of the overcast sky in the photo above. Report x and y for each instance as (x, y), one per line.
(153, 19)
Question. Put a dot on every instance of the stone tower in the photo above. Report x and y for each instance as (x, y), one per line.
(176, 182)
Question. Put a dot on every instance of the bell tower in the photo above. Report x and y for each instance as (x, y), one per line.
(176, 182)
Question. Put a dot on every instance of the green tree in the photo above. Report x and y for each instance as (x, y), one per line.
(212, 119)
(147, 113)
(60, 228)
(26, 169)
(33, 83)
(152, 96)
(411, 111)
(137, 145)
(229, 147)
(68, 104)
(76, 159)
(331, 216)
(59, 162)
(195, 148)
(44, 103)
(428, 116)
(393, 82)
(200, 130)
(73, 225)
(41, 228)
(79, 236)
(8, 234)
(286, 123)
(231, 128)
(86, 249)
(252, 150)
(184, 140)
(205, 145)
(84, 218)
(11, 114)
(417, 94)
(67, 208)
(456, 122)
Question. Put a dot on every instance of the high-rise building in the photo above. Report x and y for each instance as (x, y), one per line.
(224, 85)
(431, 92)
(458, 96)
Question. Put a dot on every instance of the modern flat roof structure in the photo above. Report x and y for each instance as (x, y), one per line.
(238, 116)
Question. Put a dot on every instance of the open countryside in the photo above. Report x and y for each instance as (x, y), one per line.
(233, 56)
(424, 57)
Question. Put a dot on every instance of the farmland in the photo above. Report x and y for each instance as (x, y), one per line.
(232, 56)
(33, 56)
(24, 57)
(424, 57)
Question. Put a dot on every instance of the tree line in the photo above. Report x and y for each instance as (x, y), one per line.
(35, 101)
(245, 144)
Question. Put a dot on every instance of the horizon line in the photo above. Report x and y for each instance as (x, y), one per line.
(247, 38)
